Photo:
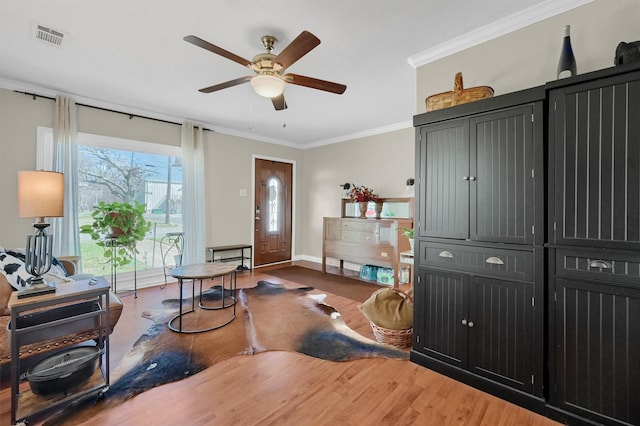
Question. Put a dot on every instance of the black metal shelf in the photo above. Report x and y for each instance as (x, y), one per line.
(211, 252)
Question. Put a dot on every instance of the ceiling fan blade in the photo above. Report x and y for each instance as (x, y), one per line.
(315, 83)
(279, 103)
(226, 84)
(299, 47)
(217, 50)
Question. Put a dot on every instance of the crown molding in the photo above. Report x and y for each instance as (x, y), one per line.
(363, 134)
(495, 29)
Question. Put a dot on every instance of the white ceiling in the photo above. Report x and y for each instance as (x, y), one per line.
(130, 56)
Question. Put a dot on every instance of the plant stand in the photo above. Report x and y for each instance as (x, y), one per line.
(114, 269)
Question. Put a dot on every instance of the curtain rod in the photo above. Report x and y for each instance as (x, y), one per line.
(35, 95)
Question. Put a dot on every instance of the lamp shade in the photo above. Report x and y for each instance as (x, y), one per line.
(268, 86)
(40, 194)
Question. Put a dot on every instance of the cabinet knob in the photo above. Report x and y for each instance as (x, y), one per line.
(472, 178)
(494, 260)
(464, 322)
(599, 264)
(465, 177)
(470, 324)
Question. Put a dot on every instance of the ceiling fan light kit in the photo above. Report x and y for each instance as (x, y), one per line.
(267, 85)
(269, 80)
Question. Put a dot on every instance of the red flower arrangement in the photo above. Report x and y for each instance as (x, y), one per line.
(362, 193)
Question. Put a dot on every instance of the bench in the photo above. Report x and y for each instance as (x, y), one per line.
(211, 252)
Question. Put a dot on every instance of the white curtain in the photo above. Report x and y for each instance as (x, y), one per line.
(193, 206)
(66, 232)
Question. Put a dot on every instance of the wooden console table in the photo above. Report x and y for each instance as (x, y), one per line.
(376, 242)
(377, 239)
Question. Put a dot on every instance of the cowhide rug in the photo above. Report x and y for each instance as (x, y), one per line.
(269, 317)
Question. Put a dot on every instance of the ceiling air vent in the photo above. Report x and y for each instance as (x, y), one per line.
(48, 35)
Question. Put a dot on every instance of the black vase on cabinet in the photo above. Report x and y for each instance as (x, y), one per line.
(567, 63)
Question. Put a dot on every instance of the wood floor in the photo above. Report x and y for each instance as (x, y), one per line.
(286, 388)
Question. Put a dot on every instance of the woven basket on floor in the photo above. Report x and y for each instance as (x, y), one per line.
(397, 338)
(458, 95)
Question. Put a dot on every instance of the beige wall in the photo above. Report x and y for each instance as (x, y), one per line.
(529, 57)
(229, 165)
(100, 122)
(20, 115)
(382, 162)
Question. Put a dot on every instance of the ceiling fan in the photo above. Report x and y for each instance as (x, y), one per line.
(270, 79)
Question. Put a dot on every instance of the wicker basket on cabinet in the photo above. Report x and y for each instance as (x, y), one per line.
(458, 96)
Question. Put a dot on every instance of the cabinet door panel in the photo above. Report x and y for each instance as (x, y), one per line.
(332, 229)
(501, 339)
(502, 159)
(441, 305)
(595, 137)
(597, 350)
(443, 199)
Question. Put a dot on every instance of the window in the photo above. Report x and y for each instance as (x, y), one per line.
(273, 213)
(112, 169)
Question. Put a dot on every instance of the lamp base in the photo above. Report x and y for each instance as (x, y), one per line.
(36, 290)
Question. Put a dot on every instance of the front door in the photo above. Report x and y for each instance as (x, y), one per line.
(273, 206)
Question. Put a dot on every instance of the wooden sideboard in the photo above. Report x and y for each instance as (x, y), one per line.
(376, 242)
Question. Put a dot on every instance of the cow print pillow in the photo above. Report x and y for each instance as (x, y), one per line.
(13, 270)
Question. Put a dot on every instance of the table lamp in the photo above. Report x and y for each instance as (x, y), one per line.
(40, 195)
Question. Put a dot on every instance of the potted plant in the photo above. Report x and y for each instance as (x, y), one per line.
(362, 195)
(119, 225)
(408, 232)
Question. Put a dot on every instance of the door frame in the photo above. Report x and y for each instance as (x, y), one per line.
(255, 157)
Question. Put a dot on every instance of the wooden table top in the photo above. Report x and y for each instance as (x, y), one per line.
(63, 290)
(202, 270)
